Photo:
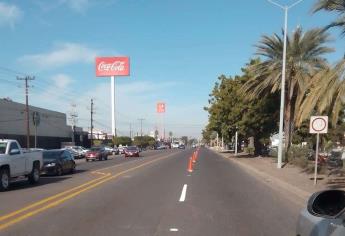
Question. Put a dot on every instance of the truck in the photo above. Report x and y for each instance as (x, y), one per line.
(16, 163)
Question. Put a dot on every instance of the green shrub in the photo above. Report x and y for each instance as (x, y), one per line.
(298, 156)
(249, 150)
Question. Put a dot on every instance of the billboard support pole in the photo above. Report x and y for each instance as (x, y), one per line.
(113, 118)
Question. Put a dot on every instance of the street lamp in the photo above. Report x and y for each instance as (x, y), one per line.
(282, 91)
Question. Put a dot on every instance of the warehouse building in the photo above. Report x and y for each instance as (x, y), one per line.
(51, 129)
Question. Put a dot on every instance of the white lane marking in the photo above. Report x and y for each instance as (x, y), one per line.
(173, 230)
(183, 194)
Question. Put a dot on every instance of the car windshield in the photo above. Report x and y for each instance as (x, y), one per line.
(3, 148)
(132, 148)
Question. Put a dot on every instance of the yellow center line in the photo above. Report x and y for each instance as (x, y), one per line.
(62, 200)
(4, 217)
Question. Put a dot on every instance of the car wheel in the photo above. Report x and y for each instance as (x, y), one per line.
(34, 177)
(4, 179)
(87, 160)
(72, 171)
(58, 170)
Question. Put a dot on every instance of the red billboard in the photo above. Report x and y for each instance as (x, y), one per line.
(160, 107)
(112, 66)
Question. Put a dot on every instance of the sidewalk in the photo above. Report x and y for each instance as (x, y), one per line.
(290, 179)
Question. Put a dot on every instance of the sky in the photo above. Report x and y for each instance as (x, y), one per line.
(177, 49)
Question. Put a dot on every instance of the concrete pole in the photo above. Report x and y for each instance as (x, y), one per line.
(236, 137)
(112, 92)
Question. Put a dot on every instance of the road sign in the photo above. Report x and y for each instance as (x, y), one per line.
(112, 66)
(160, 107)
(36, 118)
(318, 125)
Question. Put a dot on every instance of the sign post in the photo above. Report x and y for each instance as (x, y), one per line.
(112, 66)
(161, 110)
(36, 120)
(318, 125)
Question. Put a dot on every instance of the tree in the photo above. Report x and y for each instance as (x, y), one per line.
(304, 59)
(170, 135)
(184, 139)
(156, 134)
(122, 140)
(327, 90)
(144, 141)
(337, 6)
(229, 110)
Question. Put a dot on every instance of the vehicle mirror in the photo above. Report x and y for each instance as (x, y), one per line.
(14, 152)
(327, 204)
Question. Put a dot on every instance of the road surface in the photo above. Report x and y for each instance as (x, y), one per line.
(151, 195)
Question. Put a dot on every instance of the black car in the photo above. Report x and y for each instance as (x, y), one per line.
(58, 162)
(181, 146)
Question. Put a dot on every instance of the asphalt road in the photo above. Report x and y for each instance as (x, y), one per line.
(152, 195)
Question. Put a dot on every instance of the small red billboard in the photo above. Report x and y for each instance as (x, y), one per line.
(160, 107)
(112, 66)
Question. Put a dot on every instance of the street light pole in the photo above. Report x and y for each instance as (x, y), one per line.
(282, 91)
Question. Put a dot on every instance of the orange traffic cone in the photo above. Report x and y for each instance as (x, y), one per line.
(194, 157)
(190, 166)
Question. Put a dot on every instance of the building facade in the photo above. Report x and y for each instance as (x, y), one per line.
(51, 129)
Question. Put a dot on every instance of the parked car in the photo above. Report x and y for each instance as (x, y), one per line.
(97, 153)
(58, 162)
(77, 151)
(323, 215)
(175, 145)
(15, 163)
(132, 151)
(181, 146)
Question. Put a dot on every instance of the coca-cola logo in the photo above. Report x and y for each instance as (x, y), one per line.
(115, 66)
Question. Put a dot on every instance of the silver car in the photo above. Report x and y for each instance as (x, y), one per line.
(324, 215)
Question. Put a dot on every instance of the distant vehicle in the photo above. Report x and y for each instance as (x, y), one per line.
(58, 162)
(122, 149)
(75, 154)
(175, 145)
(161, 147)
(194, 145)
(97, 153)
(324, 214)
(78, 151)
(132, 151)
(115, 151)
(14, 163)
(181, 146)
(110, 150)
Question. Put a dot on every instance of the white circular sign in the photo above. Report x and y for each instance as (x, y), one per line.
(319, 124)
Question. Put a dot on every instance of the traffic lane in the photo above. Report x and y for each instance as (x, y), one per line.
(82, 165)
(21, 193)
(132, 204)
(225, 200)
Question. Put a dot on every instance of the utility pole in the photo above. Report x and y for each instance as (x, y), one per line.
(141, 132)
(73, 119)
(130, 130)
(27, 120)
(91, 122)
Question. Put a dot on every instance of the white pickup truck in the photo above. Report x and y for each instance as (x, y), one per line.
(15, 163)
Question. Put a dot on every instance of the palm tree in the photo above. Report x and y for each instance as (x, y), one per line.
(327, 90)
(337, 6)
(304, 59)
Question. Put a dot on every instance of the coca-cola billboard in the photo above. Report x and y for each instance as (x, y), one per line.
(112, 66)
(160, 107)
